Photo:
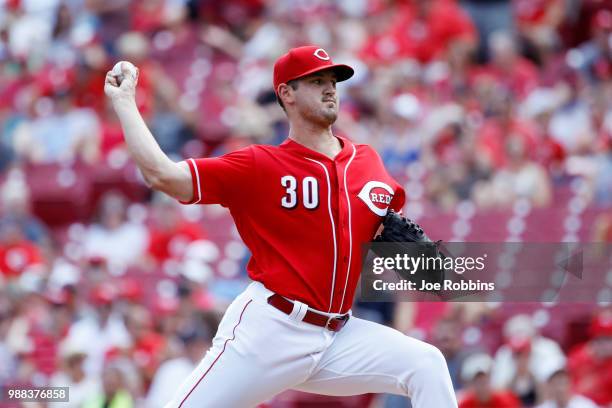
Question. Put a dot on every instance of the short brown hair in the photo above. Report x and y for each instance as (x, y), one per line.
(293, 84)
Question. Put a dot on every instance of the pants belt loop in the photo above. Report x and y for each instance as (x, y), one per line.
(299, 311)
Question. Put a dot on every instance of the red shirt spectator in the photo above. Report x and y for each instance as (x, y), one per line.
(494, 134)
(170, 243)
(498, 399)
(112, 137)
(148, 16)
(476, 373)
(519, 76)
(590, 365)
(44, 351)
(531, 13)
(591, 376)
(422, 30)
(148, 351)
(549, 153)
(169, 233)
(87, 90)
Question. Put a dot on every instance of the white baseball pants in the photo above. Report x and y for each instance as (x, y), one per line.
(259, 352)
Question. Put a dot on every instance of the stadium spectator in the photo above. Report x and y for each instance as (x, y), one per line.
(594, 58)
(488, 17)
(447, 337)
(539, 106)
(523, 363)
(95, 60)
(111, 134)
(572, 123)
(538, 21)
(148, 347)
(421, 30)
(16, 205)
(111, 19)
(8, 363)
(590, 364)
(510, 71)
(114, 392)
(195, 342)
(73, 353)
(101, 328)
(169, 233)
(602, 176)
(58, 131)
(502, 126)
(560, 394)
(519, 179)
(113, 237)
(480, 394)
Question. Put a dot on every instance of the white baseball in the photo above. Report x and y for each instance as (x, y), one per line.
(119, 74)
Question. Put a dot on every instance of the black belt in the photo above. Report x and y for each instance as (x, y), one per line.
(334, 324)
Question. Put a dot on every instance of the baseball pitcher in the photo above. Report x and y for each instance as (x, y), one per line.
(304, 209)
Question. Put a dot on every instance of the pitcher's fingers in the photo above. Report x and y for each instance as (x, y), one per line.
(111, 79)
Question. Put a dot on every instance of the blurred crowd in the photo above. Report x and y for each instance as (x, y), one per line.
(491, 102)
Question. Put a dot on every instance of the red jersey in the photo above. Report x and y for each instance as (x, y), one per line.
(303, 215)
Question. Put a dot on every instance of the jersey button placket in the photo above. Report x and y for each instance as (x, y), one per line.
(344, 232)
(337, 207)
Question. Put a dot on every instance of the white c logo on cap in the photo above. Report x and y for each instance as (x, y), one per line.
(320, 53)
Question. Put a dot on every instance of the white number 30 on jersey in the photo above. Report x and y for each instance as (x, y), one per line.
(309, 189)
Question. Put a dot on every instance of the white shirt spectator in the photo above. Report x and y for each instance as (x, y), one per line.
(572, 126)
(58, 137)
(577, 401)
(80, 392)
(99, 339)
(121, 246)
(545, 353)
(7, 363)
(167, 380)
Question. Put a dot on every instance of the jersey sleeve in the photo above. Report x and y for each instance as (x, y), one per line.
(222, 180)
(399, 195)
(399, 198)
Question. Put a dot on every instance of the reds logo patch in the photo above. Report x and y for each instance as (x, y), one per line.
(377, 196)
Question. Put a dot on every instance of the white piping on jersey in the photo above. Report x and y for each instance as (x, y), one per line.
(348, 202)
(331, 218)
(197, 175)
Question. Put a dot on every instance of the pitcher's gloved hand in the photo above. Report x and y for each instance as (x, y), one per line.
(402, 232)
(398, 228)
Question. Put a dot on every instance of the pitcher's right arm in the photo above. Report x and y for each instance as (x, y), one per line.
(158, 170)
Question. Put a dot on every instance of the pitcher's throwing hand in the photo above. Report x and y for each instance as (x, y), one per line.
(121, 81)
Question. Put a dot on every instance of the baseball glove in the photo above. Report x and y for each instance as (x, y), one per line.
(400, 233)
(401, 229)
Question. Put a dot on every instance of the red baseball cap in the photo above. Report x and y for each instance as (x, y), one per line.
(302, 61)
(601, 325)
